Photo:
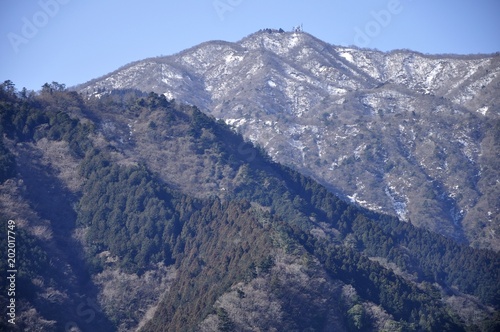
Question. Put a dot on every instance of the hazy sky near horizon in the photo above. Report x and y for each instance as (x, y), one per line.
(73, 41)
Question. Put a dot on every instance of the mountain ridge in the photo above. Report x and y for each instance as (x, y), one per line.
(324, 109)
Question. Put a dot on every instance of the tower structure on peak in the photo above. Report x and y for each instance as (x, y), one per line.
(298, 28)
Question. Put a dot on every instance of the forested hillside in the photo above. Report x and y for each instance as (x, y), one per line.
(137, 212)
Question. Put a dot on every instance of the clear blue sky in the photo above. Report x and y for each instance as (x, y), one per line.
(73, 41)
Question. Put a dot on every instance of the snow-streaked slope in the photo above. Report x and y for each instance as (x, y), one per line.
(402, 132)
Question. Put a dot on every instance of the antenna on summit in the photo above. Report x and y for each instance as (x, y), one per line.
(298, 28)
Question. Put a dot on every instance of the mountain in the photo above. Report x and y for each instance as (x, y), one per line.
(403, 133)
(133, 212)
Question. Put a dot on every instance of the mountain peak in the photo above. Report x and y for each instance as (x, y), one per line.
(276, 40)
(359, 121)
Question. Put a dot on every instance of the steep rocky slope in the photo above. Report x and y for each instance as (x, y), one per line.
(403, 133)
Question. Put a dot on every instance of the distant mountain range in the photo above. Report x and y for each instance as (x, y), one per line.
(412, 135)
